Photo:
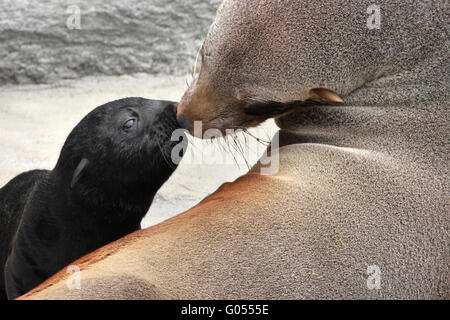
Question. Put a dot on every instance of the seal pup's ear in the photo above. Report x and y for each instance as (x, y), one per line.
(78, 171)
(325, 95)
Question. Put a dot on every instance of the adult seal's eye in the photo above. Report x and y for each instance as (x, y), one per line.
(129, 124)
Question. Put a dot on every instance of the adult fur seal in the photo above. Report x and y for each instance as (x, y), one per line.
(109, 169)
(359, 206)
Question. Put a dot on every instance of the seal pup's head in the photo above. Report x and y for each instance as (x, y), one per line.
(122, 147)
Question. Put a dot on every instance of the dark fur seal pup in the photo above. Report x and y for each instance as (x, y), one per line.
(108, 172)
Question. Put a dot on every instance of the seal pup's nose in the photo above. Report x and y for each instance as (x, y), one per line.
(183, 121)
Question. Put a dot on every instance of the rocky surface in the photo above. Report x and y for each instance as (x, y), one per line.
(45, 41)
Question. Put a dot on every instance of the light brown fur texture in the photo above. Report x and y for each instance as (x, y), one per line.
(361, 184)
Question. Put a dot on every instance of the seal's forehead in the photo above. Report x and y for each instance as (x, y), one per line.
(273, 49)
(120, 110)
(117, 108)
(140, 104)
(125, 102)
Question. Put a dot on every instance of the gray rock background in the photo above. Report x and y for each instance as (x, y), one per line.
(40, 41)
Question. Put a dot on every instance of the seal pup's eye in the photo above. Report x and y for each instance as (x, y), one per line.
(130, 124)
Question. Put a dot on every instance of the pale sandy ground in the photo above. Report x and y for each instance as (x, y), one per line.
(36, 119)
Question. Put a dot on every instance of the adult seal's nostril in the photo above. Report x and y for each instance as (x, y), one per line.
(184, 122)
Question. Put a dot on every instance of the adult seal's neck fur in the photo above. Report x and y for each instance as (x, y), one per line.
(109, 169)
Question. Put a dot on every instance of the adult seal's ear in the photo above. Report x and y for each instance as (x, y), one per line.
(325, 95)
(79, 171)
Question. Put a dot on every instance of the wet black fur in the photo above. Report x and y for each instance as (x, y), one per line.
(48, 219)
